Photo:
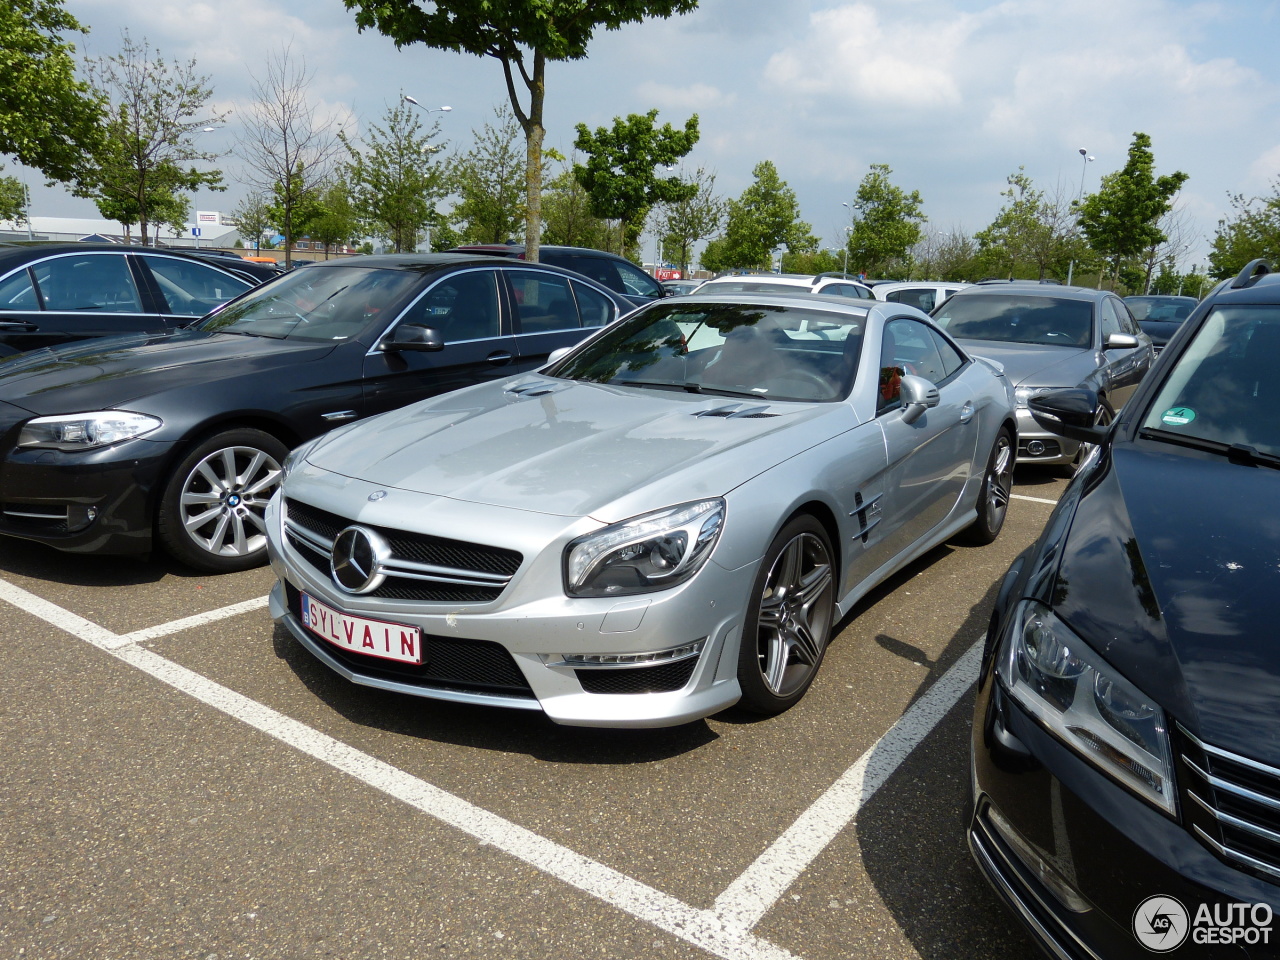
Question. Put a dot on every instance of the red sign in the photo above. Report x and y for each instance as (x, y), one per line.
(666, 273)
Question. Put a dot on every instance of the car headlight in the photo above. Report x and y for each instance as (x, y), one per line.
(1081, 699)
(1022, 394)
(86, 431)
(646, 553)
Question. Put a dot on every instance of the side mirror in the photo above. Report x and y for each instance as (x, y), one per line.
(1120, 341)
(917, 396)
(558, 354)
(413, 336)
(1069, 413)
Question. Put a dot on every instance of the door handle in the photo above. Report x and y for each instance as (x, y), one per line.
(499, 358)
(966, 412)
(26, 325)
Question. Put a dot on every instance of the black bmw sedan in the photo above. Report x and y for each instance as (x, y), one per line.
(1126, 742)
(109, 446)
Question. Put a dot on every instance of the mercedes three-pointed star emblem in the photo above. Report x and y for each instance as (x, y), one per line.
(357, 559)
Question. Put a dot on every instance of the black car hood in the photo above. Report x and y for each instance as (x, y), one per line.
(111, 372)
(1171, 570)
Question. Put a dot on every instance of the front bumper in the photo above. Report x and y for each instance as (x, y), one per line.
(1074, 855)
(1038, 445)
(511, 651)
(99, 501)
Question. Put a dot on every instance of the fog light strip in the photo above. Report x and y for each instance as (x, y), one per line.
(751, 896)
(702, 928)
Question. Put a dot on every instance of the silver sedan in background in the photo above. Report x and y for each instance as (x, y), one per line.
(665, 522)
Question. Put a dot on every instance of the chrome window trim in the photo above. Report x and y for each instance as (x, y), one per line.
(31, 264)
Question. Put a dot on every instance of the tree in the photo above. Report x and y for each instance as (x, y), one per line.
(394, 182)
(146, 146)
(1122, 219)
(13, 200)
(253, 218)
(1252, 231)
(765, 217)
(682, 223)
(48, 117)
(620, 173)
(335, 222)
(1031, 233)
(489, 181)
(886, 223)
(520, 36)
(286, 149)
(567, 218)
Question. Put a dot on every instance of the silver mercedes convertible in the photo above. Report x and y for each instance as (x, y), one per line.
(668, 520)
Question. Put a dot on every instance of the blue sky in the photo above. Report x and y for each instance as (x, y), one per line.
(953, 94)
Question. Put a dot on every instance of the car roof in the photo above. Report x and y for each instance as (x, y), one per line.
(1032, 288)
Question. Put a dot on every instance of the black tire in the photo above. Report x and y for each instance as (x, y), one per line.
(789, 618)
(211, 511)
(993, 497)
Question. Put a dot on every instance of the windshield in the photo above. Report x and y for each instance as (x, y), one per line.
(1045, 320)
(318, 303)
(735, 350)
(1226, 385)
(1174, 309)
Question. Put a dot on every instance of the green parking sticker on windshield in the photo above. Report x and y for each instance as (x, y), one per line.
(1178, 416)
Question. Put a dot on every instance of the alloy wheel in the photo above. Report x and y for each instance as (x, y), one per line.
(796, 610)
(224, 499)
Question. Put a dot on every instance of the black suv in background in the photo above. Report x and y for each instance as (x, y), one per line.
(1126, 736)
(607, 269)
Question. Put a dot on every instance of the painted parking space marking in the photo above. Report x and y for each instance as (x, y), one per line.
(723, 931)
(1019, 496)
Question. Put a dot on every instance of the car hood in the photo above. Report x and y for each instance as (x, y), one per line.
(1170, 571)
(111, 372)
(1036, 365)
(577, 449)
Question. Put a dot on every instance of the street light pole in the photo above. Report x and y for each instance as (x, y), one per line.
(1071, 267)
(429, 149)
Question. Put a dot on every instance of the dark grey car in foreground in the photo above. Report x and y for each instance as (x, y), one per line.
(1049, 337)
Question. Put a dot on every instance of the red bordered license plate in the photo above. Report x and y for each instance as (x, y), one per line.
(374, 638)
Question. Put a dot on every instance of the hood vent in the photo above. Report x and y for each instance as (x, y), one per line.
(536, 388)
(737, 411)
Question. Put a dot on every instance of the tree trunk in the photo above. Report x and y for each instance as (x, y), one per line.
(534, 133)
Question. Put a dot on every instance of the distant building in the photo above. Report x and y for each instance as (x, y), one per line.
(215, 231)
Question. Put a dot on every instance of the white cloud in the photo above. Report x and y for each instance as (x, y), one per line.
(696, 96)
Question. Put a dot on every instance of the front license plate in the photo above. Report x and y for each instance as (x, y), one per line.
(374, 638)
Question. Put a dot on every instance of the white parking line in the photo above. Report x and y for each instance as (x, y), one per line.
(1018, 496)
(723, 931)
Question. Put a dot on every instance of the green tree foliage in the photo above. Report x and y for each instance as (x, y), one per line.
(253, 218)
(1250, 231)
(394, 181)
(334, 222)
(765, 217)
(620, 172)
(48, 117)
(522, 37)
(682, 223)
(947, 256)
(489, 182)
(813, 262)
(886, 224)
(1121, 220)
(566, 213)
(144, 156)
(1031, 236)
(13, 200)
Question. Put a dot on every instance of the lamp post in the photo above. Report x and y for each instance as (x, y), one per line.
(1084, 165)
(847, 230)
(195, 232)
(429, 148)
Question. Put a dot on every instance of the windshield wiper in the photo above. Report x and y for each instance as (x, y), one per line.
(1241, 453)
(653, 384)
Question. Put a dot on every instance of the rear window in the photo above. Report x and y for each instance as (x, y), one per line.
(1054, 321)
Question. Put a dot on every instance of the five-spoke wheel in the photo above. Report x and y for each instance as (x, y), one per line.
(997, 483)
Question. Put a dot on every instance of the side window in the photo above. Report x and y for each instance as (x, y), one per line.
(952, 360)
(599, 269)
(1127, 323)
(543, 301)
(636, 282)
(17, 292)
(908, 347)
(922, 300)
(842, 290)
(1110, 320)
(192, 289)
(595, 308)
(461, 307)
(100, 282)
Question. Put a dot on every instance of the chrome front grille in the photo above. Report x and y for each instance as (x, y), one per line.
(421, 567)
(1232, 804)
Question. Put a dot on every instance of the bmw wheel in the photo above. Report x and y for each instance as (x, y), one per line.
(212, 510)
(993, 497)
(789, 619)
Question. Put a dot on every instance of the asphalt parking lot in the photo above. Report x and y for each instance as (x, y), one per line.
(180, 779)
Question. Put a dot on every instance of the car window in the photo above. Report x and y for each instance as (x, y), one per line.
(17, 292)
(594, 307)
(910, 346)
(599, 269)
(543, 301)
(99, 282)
(637, 282)
(1225, 386)
(952, 359)
(192, 289)
(921, 298)
(1110, 319)
(1013, 318)
(461, 307)
(842, 290)
(1127, 323)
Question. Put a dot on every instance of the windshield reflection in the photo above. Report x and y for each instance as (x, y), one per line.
(765, 352)
(318, 303)
(1054, 321)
